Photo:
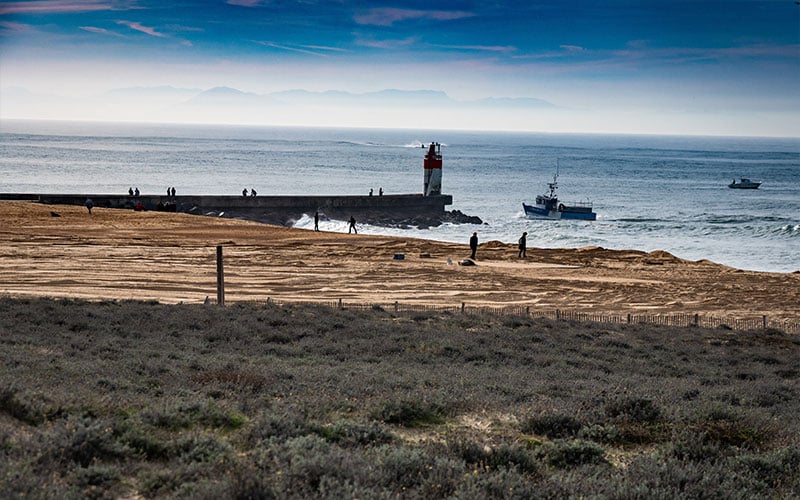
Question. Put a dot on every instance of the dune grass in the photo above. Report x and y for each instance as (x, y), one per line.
(110, 399)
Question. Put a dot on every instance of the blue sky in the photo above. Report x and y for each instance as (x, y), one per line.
(714, 67)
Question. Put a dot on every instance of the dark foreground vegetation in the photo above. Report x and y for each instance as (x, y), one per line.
(123, 399)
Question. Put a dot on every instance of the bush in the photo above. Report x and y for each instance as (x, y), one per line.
(640, 410)
(410, 413)
(552, 425)
(355, 434)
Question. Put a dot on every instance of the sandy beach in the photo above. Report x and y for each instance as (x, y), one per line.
(171, 258)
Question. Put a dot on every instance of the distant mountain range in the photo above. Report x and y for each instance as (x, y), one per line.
(389, 107)
(227, 96)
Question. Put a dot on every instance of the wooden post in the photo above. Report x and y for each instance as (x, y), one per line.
(462, 307)
(220, 278)
(764, 322)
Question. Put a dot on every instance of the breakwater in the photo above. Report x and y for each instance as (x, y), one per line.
(395, 210)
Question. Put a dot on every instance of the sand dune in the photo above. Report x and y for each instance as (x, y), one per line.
(118, 254)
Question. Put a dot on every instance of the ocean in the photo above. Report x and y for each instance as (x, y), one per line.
(650, 192)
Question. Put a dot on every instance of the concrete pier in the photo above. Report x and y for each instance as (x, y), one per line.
(411, 209)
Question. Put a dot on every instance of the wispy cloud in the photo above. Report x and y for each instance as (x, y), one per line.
(314, 50)
(478, 48)
(56, 6)
(401, 43)
(144, 29)
(247, 3)
(99, 31)
(388, 16)
(10, 27)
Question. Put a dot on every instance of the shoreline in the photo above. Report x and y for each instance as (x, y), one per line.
(168, 257)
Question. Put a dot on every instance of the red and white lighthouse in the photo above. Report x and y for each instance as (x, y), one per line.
(433, 170)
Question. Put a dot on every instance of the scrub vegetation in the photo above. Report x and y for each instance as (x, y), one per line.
(137, 399)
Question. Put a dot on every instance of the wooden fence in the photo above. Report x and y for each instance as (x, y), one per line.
(762, 323)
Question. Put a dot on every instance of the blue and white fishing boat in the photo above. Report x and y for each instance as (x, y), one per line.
(548, 207)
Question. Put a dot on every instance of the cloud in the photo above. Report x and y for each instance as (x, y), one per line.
(99, 31)
(388, 16)
(247, 3)
(7, 26)
(478, 48)
(55, 6)
(144, 29)
(387, 44)
(313, 50)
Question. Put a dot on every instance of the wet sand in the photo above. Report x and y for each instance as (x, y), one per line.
(168, 257)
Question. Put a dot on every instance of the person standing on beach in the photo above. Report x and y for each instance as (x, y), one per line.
(316, 220)
(89, 204)
(473, 245)
(523, 244)
(352, 225)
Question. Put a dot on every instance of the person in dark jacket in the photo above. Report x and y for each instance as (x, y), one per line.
(473, 244)
(523, 244)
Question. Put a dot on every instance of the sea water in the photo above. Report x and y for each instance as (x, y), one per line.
(650, 192)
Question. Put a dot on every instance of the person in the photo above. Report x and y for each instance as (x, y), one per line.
(253, 192)
(370, 191)
(352, 225)
(244, 192)
(523, 244)
(89, 204)
(316, 220)
(380, 191)
(169, 190)
(473, 244)
(136, 192)
(130, 191)
(173, 191)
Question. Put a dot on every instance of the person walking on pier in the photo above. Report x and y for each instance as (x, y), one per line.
(523, 244)
(89, 204)
(473, 245)
(130, 191)
(352, 225)
(253, 192)
(244, 193)
(136, 192)
(316, 220)
(173, 191)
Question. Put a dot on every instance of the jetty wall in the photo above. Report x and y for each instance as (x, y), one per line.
(284, 209)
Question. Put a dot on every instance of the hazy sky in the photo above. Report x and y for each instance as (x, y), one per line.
(699, 67)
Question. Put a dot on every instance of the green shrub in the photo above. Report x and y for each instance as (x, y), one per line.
(15, 406)
(410, 413)
(552, 425)
(601, 433)
(355, 434)
(84, 441)
(640, 410)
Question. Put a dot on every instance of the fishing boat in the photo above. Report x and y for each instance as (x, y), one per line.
(744, 183)
(548, 207)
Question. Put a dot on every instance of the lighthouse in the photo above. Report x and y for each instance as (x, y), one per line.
(433, 170)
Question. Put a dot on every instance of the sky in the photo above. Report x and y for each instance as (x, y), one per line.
(617, 66)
